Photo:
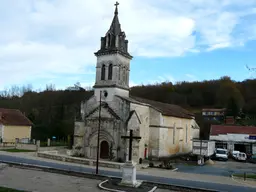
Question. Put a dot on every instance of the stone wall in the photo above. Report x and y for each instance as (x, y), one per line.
(144, 118)
(53, 148)
(118, 61)
(155, 120)
(170, 136)
(183, 134)
(26, 146)
(82, 161)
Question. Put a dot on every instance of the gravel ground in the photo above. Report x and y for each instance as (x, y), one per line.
(39, 181)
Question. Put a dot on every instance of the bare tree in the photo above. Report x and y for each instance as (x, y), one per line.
(26, 88)
(50, 87)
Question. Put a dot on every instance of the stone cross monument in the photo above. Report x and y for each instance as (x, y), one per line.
(129, 168)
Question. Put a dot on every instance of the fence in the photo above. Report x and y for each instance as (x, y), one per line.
(54, 143)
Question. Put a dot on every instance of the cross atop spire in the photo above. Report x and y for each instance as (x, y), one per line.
(115, 38)
(116, 10)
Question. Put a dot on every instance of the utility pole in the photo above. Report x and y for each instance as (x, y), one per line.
(98, 144)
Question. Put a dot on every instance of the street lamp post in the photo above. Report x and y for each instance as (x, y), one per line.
(98, 144)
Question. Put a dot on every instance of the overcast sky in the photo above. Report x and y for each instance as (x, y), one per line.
(53, 41)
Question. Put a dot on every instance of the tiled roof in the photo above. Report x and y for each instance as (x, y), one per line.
(214, 110)
(225, 129)
(165, 108)
(13, 117)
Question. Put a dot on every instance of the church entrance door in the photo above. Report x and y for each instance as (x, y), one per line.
(104, 150)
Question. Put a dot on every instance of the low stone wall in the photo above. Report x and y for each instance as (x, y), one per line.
(41, 149)
(26, 146)
(6, 144)
(91, 162)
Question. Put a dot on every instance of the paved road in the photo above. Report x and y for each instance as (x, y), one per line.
(219, 168)
(214, 186)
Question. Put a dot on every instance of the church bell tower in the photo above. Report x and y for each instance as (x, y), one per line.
(113, 63)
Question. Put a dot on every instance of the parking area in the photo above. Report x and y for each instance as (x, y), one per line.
(220, 168)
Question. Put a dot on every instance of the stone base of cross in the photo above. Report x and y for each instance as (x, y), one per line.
(129, 168)
(129, 175)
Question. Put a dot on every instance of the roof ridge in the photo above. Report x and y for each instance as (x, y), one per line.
(164, 108)
(162, 103)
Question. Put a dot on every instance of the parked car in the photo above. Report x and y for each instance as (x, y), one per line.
(234, 154)
(221, 154)
(239, 156)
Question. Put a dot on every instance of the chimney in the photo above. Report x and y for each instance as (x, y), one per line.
(230, 120)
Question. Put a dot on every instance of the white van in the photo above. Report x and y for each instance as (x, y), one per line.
(221, 154)
(239, 156)
(235, 154)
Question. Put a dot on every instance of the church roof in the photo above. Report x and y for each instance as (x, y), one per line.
(165, 108)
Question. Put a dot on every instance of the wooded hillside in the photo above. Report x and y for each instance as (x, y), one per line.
(53, 111)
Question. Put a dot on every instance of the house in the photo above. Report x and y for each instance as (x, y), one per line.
(214, 114)
(165, 130)
(14, 125)
(232, 137)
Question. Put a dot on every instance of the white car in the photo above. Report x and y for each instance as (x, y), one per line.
(235, 154)
(221, 154)
(239, 156)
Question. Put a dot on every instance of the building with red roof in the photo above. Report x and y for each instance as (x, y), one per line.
(14, 125)
(233, 137)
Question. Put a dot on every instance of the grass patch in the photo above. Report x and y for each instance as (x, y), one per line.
(4, 189)
(249, 175)
(17, 151)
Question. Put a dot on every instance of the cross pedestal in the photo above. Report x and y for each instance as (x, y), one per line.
(129, 175)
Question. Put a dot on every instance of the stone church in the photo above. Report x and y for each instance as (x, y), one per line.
(165, 129)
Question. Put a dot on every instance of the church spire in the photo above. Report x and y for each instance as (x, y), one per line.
(115, 27)
(115, 38)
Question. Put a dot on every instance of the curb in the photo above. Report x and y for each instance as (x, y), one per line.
(175, 169)
(101, 177)
(115, 190)
(107, 189)
(241, 178)
(3, 166)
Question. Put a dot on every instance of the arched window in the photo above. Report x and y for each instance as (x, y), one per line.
(119, 74)
(109, 40)
(110, 71)
(124, 74)
(103, 72)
